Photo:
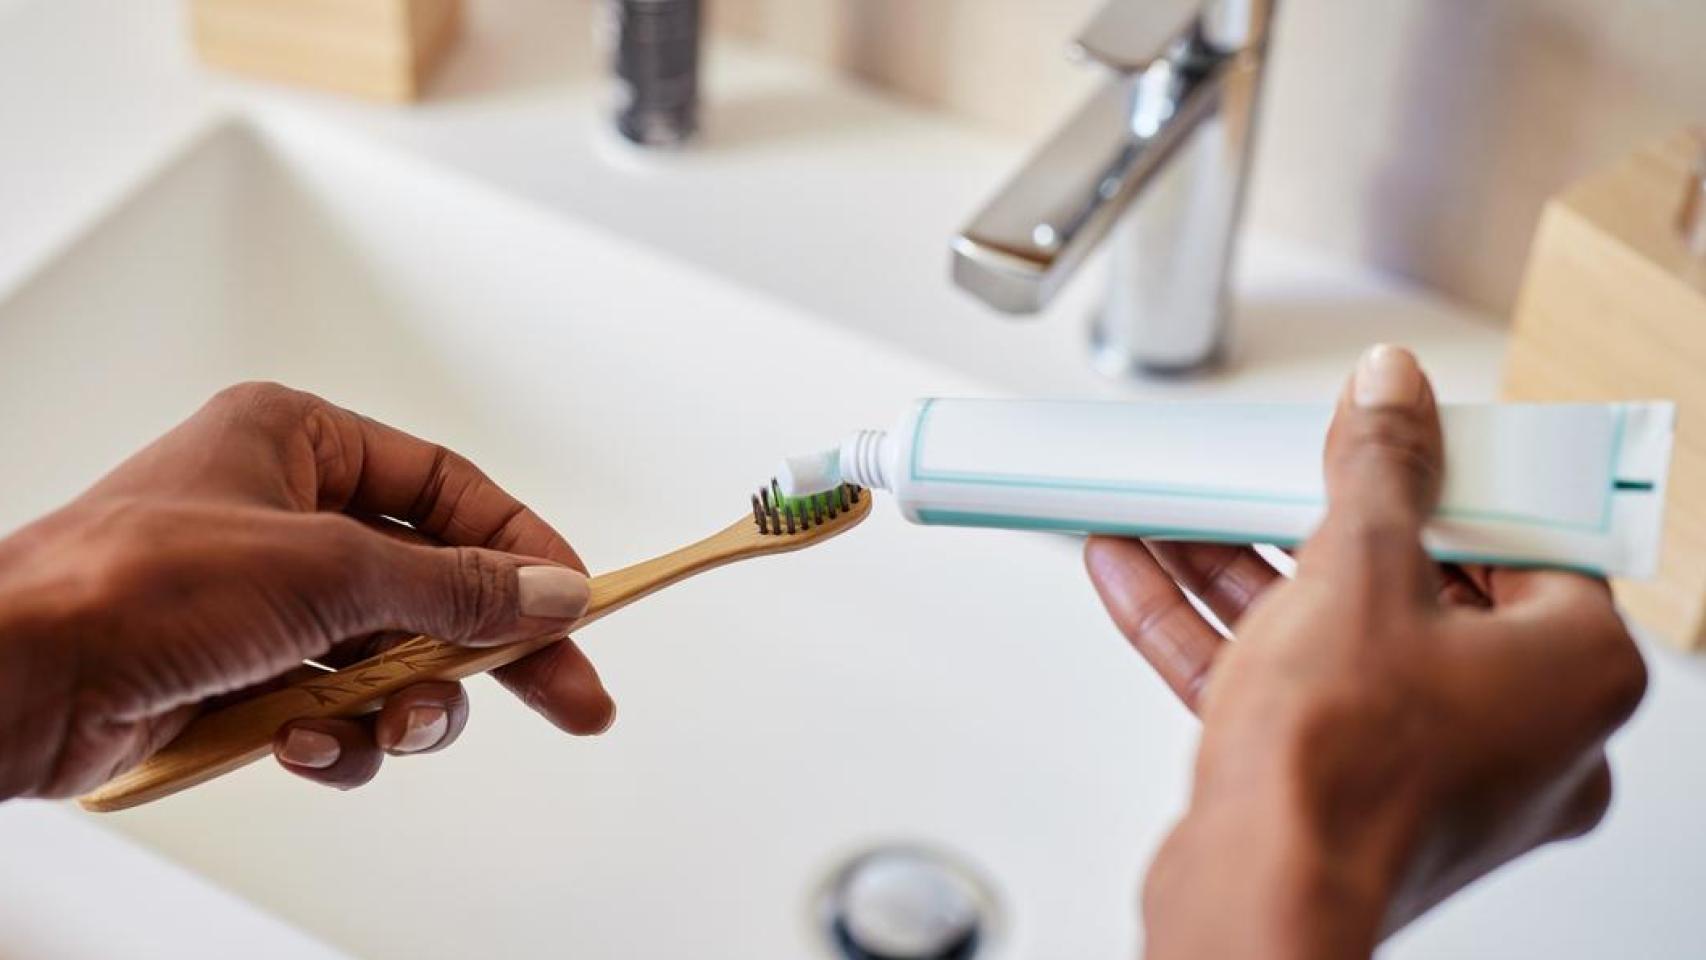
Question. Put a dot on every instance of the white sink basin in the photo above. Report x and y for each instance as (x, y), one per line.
(899, 683)
(959, 688)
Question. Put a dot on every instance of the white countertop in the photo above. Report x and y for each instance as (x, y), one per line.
(836, 204)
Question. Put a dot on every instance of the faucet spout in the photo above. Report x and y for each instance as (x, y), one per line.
(1030, 238)
(1167, 138)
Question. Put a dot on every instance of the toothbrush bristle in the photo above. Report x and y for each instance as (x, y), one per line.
(777, 514)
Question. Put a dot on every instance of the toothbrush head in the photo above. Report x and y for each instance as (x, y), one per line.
(779, 515)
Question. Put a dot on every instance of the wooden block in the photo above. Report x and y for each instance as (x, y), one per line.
(1613, 307)
(376, 48)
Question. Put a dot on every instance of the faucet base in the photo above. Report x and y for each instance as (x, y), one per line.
(1116, 361)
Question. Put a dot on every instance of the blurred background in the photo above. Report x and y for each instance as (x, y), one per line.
(1420, 136)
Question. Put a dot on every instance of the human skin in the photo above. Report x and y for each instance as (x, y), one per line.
(1383, 730)
(270, 528)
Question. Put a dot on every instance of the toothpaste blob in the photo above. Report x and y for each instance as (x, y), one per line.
(812, 473)
(1564, 485)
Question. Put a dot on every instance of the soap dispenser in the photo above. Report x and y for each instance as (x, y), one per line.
(657, 69)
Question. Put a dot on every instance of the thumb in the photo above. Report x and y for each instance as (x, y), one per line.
(469, 595)
(1385, 462)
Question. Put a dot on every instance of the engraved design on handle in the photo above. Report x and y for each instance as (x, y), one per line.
(405, 661)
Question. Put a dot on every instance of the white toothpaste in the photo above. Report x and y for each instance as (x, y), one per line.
(1563, 485)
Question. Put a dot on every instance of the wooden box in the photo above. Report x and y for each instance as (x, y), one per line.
(375, 48)
(1613, 307)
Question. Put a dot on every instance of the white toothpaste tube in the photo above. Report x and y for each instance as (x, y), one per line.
(1560, 485)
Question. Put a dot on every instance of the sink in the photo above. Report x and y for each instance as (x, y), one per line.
(959, 689)
(896, 685)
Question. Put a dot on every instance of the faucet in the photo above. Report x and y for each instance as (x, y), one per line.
(1169, 134)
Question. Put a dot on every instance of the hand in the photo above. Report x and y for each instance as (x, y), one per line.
(266, 530)
(1383, 731)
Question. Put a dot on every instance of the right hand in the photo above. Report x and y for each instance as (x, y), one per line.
(269, 528)
(1383, 731)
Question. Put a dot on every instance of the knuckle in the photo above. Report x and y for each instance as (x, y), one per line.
(250, 393)
(264, 404)
(1222, 577)
(1395, 434)
(1623, 677)
(1154, 618)
(331, 447)
(432, 493)
(478, 596)
(357, 773)
(1587, 808)
(337, 534)
(1389, 439)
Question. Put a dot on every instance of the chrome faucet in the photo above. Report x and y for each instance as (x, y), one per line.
(1169, 134)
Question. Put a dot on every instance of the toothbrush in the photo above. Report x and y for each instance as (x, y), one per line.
(219, 742)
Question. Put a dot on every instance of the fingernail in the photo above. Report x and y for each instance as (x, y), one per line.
(1387, 376)
(554, 592)
(310, 748)
(423, 728)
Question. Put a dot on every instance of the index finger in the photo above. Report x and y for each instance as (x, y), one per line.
(384, 471)
(1562, 630)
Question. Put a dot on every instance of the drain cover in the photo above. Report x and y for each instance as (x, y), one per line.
(907, 903)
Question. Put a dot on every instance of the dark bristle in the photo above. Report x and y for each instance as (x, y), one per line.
(776, 514)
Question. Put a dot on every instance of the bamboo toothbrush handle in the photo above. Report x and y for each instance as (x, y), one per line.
(221, 741)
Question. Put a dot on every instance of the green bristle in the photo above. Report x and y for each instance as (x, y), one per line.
(798, 506)
(801, 507)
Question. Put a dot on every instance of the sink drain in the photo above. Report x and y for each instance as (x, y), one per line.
(907, 902)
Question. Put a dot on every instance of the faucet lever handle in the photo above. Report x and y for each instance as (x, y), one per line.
(1131, 35)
